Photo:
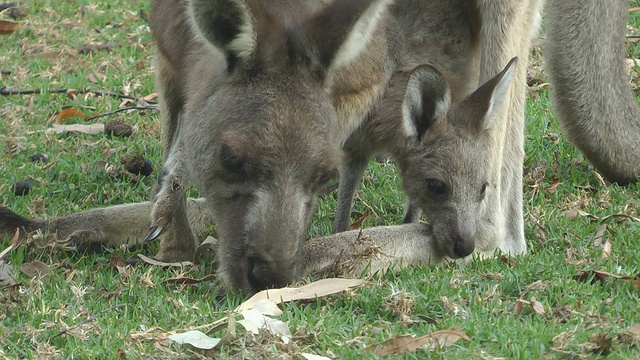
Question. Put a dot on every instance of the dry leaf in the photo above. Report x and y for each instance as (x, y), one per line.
(606, 249)
(153, 262)
(69, 112)
(555, 182)
(537, 306)
(92, 129)
(7, 27)
(573, 214)
(96, 77)
(405, 343)
(597, 239)
(314, 290)
(36, 269)
(150, 97)
(358, 223)
(601, 343)
(196, 339)
(598, 276)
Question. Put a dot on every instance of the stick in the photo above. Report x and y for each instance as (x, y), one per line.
(5, 91)
(90, 319)
(123, 109)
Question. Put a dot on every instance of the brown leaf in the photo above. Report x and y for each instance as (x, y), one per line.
(602, 344)
(69, 112)
(117, 261)
(622, 215)
(153, 262)
(555, 182)
(36, 269)
(537, 306)
(507, 260)
(7, 27)
(96, 77)
(358, 223)
(598, 276)
(405, 343)
(573, 214)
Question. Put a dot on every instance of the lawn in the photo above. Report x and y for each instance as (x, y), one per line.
(576, 294)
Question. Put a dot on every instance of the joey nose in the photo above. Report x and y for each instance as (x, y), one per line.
(463, 247)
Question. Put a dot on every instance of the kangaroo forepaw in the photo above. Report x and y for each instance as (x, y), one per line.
(154, 233)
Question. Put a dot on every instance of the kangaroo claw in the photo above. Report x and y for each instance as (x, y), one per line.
(154, 232)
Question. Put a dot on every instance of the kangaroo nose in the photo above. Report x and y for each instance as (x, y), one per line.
(463, 247)
(262, 276)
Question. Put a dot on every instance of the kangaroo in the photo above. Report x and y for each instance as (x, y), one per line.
(440, 150)
(337, 58)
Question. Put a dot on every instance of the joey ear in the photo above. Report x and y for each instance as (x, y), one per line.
(485, 103)
(426, 99)
(341, 31)
(226, 24)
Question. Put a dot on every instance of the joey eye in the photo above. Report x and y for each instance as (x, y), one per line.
(436, 187)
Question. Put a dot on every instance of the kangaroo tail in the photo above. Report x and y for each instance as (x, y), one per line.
(590, 90)
(10, 221)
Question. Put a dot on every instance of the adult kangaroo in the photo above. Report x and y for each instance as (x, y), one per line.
(290, 81)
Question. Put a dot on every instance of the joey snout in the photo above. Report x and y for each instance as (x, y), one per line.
(455, 241)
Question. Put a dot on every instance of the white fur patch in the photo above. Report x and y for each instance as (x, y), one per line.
(360, 35)
(412, 100)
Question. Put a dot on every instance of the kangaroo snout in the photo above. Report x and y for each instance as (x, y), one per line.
(264, 273)
(463, 246)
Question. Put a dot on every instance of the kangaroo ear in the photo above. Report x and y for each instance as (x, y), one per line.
(426, 99)
(226, 24)
(485, 103)
(341, 31)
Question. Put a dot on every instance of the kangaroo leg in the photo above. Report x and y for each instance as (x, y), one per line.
(350, 174)
(507, 28)
(590, 92)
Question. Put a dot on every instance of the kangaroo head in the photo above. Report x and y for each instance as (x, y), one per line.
(265, 140)
(444, 170)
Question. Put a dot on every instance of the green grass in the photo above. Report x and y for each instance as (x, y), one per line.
(479, 297)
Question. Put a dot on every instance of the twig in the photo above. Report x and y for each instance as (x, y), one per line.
(90, 319)
(5, 91)
(123, 109)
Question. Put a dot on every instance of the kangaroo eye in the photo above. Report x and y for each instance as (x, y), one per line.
(436, 187)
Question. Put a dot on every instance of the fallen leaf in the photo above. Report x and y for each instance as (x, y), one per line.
(507, 260)
(597, 239)
(6, 251)
(573, 214)
(358, 223)
(7, 27)
(254, 321)
(405, 343)
(92, 129)
(537, 306)
(6, 279)
(555, 182)
(314, 290)
(602, 343)
(182, 280)
(622, 215)
(606, 249)
(154, 262)
(196, 339)
(598, 276)
(96, 77)
(36, 269)
(69, 112)
(150, 97)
